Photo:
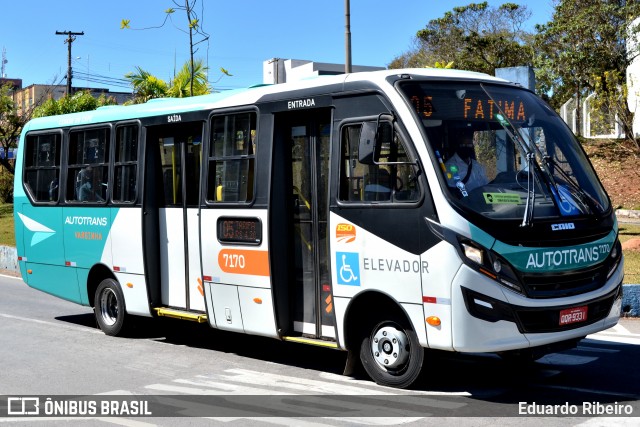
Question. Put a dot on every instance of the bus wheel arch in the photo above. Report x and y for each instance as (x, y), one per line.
(380, 334)
(97, 274)
(107, 299)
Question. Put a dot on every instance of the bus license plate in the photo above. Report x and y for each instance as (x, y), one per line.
(573, 315)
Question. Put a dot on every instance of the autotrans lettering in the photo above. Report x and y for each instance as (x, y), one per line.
(86, 220)
(395, 265)
(567, 257)
(301, 103)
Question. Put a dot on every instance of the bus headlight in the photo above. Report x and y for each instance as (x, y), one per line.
(473, 253)
(489, 264)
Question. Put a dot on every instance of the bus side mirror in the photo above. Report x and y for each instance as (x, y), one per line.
(367, 145)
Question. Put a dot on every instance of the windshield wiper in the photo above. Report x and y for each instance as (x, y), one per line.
(531, 190)
(586, 199)
(530, 154)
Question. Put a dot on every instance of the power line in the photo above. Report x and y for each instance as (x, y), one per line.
(97, 78)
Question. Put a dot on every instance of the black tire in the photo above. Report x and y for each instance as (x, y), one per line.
(392, 363)
(110, 309)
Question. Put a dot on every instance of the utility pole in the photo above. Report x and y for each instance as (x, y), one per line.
(3, 62)
(71, 36)
(347, 36)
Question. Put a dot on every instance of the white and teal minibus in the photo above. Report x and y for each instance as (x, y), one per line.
(379, 213)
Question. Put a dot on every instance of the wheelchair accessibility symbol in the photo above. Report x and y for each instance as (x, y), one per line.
(348, 268)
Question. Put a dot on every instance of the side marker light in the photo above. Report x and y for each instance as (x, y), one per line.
(434, 321)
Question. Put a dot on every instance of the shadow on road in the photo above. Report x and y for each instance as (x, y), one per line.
(600, 371)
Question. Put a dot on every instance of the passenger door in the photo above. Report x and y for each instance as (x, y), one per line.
(174, 153)
(303, 139)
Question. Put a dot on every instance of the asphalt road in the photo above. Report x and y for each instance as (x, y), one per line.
(50, 347)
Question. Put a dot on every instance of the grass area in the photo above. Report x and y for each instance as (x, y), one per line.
(7, 233)
(631, 258)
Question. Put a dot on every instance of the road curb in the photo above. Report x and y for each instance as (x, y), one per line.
(628, 215)
(631, 300)
(9, 259)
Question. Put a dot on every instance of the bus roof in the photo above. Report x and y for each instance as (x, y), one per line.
(246, 96)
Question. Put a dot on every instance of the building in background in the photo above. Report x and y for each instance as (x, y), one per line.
(33, 95)
(277, 70)
(633, 77)
(15, 83)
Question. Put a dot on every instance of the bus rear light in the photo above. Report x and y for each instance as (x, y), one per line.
(326, 288)
(434, 321)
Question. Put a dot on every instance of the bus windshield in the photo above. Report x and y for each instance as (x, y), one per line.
(504, 153)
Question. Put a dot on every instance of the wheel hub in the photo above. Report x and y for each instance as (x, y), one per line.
(389, 346)
(109, 307)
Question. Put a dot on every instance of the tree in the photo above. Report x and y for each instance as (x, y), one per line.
(194, 30)
(80, 101)
(146, 86)
(584, 40)
(475, 37)
(11, 124)
(190, 81)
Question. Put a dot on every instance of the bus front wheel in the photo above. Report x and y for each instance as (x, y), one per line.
(109, 308)
(391, 354)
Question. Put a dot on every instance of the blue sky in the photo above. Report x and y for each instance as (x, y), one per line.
(244, 33)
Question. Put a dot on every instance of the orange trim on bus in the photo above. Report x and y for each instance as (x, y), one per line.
(242, 261)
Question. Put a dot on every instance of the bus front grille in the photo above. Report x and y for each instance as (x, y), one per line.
(548, 320)
(557, 285)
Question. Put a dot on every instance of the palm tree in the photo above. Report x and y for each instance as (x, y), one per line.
(182, 84)
(146, 86)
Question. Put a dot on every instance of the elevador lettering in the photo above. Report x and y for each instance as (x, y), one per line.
(86, 220)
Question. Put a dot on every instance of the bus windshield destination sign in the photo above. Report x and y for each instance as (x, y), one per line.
(240, 230)
(473, 108)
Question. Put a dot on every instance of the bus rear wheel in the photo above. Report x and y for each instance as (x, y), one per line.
(109, 308)
(391, 354)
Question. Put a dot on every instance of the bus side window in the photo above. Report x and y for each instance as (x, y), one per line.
(42, 167)
(376, 182)
(232, 158)
(88, 172)
(126, 164)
